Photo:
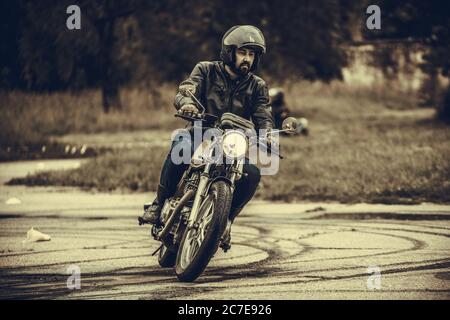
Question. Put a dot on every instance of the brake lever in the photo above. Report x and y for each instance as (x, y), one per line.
(271, 150)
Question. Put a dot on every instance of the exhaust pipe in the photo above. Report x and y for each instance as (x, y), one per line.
(176, 212)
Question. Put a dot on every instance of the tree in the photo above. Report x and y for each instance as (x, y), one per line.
(104, 15)
(54, 58)
(9, 32)
(121, 42)
(427, 22)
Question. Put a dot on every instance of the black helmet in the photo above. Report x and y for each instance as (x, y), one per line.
(239, 37)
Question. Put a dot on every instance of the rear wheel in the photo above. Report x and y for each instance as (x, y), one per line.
(166, 257)
(200, 243)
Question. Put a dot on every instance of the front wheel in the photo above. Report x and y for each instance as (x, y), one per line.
(199, 243)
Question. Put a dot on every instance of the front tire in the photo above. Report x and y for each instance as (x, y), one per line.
(199, 245)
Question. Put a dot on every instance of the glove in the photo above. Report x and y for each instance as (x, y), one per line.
(187, 86)
(189, 110)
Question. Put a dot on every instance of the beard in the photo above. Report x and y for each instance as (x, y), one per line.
(243, 69)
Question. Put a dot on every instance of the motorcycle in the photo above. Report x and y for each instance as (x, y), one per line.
(194, 220)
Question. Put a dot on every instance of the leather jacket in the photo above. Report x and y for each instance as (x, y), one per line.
(246, 96)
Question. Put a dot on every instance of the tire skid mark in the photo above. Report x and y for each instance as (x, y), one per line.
(106, 246)
(256, 269)
(385, 229)
(271, 269)
(436, 266)
(56, 283)
(417, 245)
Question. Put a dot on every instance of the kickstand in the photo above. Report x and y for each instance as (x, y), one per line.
(156, 251)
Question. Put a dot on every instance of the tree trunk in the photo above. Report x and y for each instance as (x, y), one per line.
(110, 97)
(109, 83)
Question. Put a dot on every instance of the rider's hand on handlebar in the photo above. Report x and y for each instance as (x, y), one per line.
(185, 88)
(189, 110)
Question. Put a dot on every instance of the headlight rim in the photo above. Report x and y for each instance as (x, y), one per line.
(244, 142)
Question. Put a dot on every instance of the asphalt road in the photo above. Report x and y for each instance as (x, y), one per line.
(279, 251)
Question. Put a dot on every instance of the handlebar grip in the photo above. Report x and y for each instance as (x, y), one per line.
(188, 118)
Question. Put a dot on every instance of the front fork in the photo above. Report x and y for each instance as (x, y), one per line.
(237, 169)
(199, 196)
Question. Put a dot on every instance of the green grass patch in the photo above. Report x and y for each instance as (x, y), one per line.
(124, 170)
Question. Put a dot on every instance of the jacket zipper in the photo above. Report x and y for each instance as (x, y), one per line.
(234, 91)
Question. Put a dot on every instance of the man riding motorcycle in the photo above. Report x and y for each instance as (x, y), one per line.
(222, 86)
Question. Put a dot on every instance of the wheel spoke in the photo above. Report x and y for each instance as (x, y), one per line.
(193, 246)
(206, 219)
(188, 249)
(200, 239)
(210, 214)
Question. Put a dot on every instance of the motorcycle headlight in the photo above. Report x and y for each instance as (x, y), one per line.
(234, 144)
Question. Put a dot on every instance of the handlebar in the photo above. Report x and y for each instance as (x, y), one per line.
(188, 118)
(206, 117)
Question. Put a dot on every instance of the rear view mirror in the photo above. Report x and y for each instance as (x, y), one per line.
(290, 125)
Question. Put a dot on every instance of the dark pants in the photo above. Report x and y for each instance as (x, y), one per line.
(171, 174)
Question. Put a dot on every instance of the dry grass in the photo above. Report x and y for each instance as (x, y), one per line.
(365, 145)
(29, 120)
(28, 117)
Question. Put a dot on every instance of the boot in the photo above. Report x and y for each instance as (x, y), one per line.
(152, 212)
(225, 243)
(234, 213)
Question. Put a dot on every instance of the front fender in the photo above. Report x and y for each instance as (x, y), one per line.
(228, 181)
